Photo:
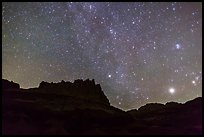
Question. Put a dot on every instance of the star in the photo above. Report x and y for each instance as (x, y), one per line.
(171, 90)
(90, 6)
(193, 82)
(178, 46)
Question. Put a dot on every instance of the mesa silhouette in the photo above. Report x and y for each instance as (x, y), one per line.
(81, 107)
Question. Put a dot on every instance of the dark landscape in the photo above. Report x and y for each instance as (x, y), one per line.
(82, 108)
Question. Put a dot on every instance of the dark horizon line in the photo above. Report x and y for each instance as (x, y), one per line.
(108, 99)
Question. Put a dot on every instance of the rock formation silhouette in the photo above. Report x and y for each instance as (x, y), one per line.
(81, 107)
(9, 84)
(86, 90)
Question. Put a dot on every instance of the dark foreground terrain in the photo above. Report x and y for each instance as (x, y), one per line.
(82, 108)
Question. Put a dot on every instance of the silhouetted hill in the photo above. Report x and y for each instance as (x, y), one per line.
(81, 107)
(176, 117)
(9, 84)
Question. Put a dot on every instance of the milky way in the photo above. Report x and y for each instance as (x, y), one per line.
(138, 52)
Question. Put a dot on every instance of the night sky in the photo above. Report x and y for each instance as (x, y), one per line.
(138, 52)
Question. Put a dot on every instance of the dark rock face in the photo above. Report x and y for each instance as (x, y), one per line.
(61, 108)
(82, 108)
(9, 84)
(151, 107)
(79, 89)
(171, 118)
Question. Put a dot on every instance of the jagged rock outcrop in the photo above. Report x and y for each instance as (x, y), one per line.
(9, 84)
(73, 108)
(79, 89)
(70, 108)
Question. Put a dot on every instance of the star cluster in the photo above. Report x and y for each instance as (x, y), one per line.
(138, 52)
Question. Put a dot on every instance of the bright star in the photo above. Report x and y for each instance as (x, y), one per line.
(90, 7)
(194, 83)
(111, 31)
(178, 46)
(109, 76)
(197, 77)
(171, 90)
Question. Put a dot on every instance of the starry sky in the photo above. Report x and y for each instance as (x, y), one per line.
(138, 52)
